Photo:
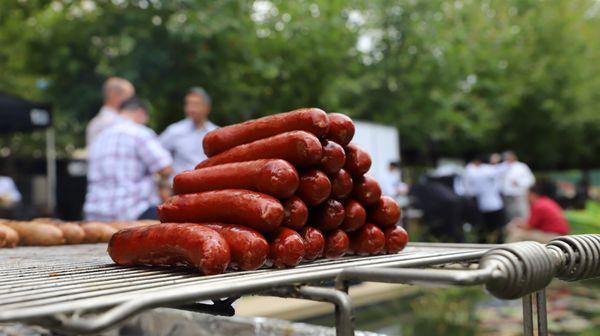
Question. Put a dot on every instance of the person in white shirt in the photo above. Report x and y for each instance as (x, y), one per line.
(9, 194)
(481, 181)
(122, 165)
(114, 91)
(183, 139)
(516, 178)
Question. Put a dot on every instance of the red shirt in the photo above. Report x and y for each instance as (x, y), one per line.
(546, 215)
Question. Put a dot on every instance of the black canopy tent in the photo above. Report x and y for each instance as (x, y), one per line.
(20, 115)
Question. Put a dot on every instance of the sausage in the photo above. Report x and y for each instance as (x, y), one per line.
(327, 216)
(341, 128)
(3, 239)
(314, 187)
(337, 244)
(358, 161)
(11, 237)
(170, 244)
(312, 120)
(295, 213)
(367, 240)
(300, 148)
(355, 218)
(287, 248)
(385, 212)
(333, 158)
(37, 234)
(396, 239)
(273, 177)
(120, 225)
(341, 185)
(366, 190)
(234, 206)
(314, 242)
(249, 249)
(97, 232)
(72, 232)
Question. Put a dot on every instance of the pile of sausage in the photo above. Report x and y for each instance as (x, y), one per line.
(274, 191)
(50, 232)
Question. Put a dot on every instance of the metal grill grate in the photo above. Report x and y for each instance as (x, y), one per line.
(36, 282)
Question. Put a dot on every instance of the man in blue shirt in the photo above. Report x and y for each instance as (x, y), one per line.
(183, 139)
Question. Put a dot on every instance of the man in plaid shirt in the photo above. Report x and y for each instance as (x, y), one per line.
(122, 164)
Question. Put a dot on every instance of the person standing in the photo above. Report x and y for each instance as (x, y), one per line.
(114, 91)
(391, 181)
(481, 182)
(183, 139)
(546, 220)
(517, 178)
(122, 165)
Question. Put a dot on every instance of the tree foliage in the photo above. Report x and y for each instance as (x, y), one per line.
(455, 77)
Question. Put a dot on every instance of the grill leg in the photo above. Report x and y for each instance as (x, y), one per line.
(527, 315)
(542, 316)
(344, 324)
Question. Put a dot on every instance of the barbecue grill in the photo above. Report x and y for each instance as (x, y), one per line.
(78, 289)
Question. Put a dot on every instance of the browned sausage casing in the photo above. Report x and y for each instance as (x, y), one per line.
(97, 232)
(333, 158)
(287, 248)
(300, 148)
(366, 190)
(337, 244)
(273, 177)
(396, 239)
(367, 240)
(170, 244)
(296, 213)
(355, 218)
(314, 187)
(37, 234)
(314, 242)
(72, 232)
(341, 128)
(358, 162)
(385, 212)
(234, 206)
(249, 249)
(341, 185)
(312, 120)
(11, 237)
(327, 216)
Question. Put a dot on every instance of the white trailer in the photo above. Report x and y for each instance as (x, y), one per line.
(382, 142)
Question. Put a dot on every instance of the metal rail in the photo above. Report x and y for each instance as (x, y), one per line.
(58, 297)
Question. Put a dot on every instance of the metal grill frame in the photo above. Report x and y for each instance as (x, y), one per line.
(61, 296)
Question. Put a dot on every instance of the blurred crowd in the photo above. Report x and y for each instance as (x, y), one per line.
(496, 198)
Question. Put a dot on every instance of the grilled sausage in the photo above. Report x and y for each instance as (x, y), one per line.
(273, 177)
(333, 158)
(385, 212)
(314, 242)
(120, 225)
(234, 206)
(355, 218)
(367, 240)
(341, 128)
(314, 187)
(396, 239)
(341, 185)
(287, 248)
(11, 237)
(72, 232)
(249, 249)
(337, 244)
(300, 148)
(97, 232)
(170, 244)
(295, 213)
(37, 234)
(327, 216)
(312, 120)
(358, 162)
(366, 190)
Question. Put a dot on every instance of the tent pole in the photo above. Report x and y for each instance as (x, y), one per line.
(50, 170)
